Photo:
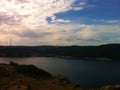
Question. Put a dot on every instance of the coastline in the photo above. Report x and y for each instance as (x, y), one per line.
(13, 76)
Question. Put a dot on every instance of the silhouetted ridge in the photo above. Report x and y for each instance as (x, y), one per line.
(109, 45)
(107, 51)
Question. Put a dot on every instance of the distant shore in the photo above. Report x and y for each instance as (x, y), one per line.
(101, 52)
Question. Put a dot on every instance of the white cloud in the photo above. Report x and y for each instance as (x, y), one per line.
(78, 6)
(23, 18)
(25, 22)
(55, 20)
(36, 10)
(87, 34)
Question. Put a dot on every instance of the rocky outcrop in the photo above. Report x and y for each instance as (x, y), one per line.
(7, 70)
(29, 77)
(13, 69)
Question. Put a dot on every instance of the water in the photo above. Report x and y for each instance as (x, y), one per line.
(83, 72)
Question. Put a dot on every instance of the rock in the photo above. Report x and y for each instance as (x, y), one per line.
(7, 70)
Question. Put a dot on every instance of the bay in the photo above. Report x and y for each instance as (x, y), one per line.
(86, 73)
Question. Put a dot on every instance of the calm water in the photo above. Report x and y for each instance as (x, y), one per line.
(83, 72)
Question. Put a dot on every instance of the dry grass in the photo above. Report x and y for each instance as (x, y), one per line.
(27, 83)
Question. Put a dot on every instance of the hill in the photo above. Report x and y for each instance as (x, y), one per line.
(108, 51)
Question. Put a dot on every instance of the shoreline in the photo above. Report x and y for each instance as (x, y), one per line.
(17, 74)
(67, 57)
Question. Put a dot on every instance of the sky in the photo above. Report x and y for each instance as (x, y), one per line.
(59, 22)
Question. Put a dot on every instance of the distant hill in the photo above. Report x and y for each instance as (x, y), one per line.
(107, 51)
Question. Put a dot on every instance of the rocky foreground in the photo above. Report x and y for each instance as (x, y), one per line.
(29, 77)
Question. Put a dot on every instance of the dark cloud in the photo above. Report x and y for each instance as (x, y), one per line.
(31, 34)
(78, 39)
(22, 1)
(28, 33)
(93, 40)
(11, 19)
(6, 19)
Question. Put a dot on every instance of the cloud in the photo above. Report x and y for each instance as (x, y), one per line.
(82, 34)
(28, 34)
(36, 10)
(54, 20)
(110, 21)
(78, 6)
(87, 34)
(74, 34)
(25, 21)
(18, 1)
(10, 19)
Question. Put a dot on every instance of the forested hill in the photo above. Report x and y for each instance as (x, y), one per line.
(108, 51)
